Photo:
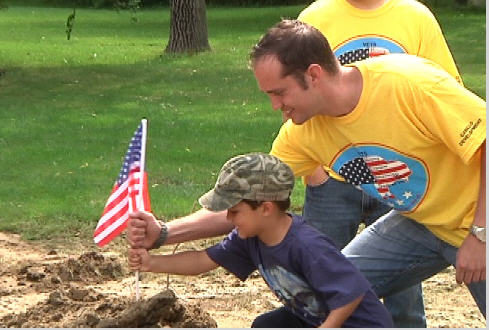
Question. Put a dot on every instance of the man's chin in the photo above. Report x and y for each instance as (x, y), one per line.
(287, 118)
(286, 115)
(296, 121)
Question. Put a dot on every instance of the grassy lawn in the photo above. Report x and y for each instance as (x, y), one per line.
(69, 108)
(465, 32)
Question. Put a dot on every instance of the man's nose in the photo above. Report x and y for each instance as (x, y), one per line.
(276, 102)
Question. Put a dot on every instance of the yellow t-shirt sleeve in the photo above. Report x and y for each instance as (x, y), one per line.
(288, 148)
(456, 116)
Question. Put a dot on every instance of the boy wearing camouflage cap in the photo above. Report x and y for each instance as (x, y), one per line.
(316, 283)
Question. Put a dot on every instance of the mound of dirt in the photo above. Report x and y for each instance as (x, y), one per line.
(90, 267)
(71, 297)
(85, 308)
(161, 310)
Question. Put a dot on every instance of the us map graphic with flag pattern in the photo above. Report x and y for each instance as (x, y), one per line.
(364, 47)
(396, 179)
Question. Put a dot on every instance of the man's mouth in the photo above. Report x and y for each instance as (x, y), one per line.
(286, 113)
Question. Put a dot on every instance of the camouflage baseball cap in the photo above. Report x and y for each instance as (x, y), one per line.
(255, 176)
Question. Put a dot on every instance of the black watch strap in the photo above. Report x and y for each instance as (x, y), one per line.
(163, 235)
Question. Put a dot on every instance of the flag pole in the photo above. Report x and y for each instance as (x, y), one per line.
(140, 201)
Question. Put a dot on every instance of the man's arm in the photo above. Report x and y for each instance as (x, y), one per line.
(471, 256)
(338, 316)
(201, 224)
(183, 263)
(143, 229)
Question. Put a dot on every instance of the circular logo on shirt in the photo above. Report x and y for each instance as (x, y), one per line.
(396, 179)
(365, 47)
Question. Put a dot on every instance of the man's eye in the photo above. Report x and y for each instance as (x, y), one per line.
(276, 93)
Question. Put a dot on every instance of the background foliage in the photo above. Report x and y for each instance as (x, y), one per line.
(231, 3)
(69, 108)
(149, 3)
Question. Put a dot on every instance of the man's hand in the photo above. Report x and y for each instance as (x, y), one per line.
(471, 261)
(142, 230)
(139, 259)
(318, 177)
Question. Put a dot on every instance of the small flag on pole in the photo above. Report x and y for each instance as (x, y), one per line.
(128, 194)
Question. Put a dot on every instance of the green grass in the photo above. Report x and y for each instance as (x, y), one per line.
(69, 108)
(465, 32)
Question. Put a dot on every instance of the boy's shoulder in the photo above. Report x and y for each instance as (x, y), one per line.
(306, 235)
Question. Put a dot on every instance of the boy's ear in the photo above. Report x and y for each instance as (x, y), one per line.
(268, 208)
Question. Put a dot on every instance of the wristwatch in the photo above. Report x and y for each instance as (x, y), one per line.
(478, 232)
(163, 235)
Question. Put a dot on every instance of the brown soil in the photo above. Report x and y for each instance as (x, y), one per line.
(74, 285)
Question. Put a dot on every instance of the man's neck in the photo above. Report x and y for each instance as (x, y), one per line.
(276, 230)
(342, 92)
(353, 86)
(367, 4)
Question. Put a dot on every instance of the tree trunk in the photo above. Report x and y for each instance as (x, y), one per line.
(188, 27)
(477, 3)
(460, 2)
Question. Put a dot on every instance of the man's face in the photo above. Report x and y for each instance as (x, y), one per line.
(286, 94)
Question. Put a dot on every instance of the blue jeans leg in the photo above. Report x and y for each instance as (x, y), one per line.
(407, 307)
(336, 209)
(396, 252)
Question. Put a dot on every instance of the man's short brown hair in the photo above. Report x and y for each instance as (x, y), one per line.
(296, 45)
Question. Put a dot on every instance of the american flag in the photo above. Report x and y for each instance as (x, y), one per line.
(377, 171)
(125, 196)
(361, 54)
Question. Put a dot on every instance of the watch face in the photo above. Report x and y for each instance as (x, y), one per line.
(480, 233)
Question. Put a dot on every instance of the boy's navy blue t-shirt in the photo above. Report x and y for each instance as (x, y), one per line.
(307, 273)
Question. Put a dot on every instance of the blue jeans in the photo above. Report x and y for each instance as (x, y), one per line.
(336, 209)
(396, 252)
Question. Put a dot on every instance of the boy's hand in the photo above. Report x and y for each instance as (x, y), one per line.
(139, 259)
(142, 230)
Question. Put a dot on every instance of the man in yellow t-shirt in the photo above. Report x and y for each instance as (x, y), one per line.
(367, 28)
(358, 30)
(401, 129)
